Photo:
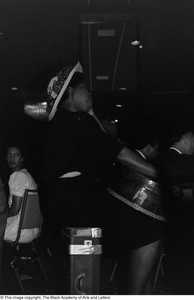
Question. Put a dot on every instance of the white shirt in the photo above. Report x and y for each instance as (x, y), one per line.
(18, 182)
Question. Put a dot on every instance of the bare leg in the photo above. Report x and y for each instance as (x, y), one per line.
(142, 265)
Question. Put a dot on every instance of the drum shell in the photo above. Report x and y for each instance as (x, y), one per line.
(138, 191)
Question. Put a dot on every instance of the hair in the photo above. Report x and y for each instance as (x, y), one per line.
(178, 130)
(176, 137)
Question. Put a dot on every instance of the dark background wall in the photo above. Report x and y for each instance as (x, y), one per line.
(39, 37)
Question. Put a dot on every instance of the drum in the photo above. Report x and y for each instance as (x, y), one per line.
(137, 191)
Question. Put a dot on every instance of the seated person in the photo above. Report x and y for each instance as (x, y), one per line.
(19, 180)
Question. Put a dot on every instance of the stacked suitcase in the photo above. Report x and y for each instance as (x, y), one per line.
(84, 259)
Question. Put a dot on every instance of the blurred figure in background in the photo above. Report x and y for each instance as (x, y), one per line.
(176, 167)
(147, 141)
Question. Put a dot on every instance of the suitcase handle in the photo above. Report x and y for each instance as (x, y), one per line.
(78, 283)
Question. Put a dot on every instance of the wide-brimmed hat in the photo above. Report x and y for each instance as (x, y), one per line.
(58, 85)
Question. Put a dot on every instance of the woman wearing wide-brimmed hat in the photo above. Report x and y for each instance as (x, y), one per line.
(80, 156)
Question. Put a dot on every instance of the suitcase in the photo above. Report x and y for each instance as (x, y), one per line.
(84, 260)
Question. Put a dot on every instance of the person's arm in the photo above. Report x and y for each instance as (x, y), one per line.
(109, 148)
(133, 160)
(15, 206)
